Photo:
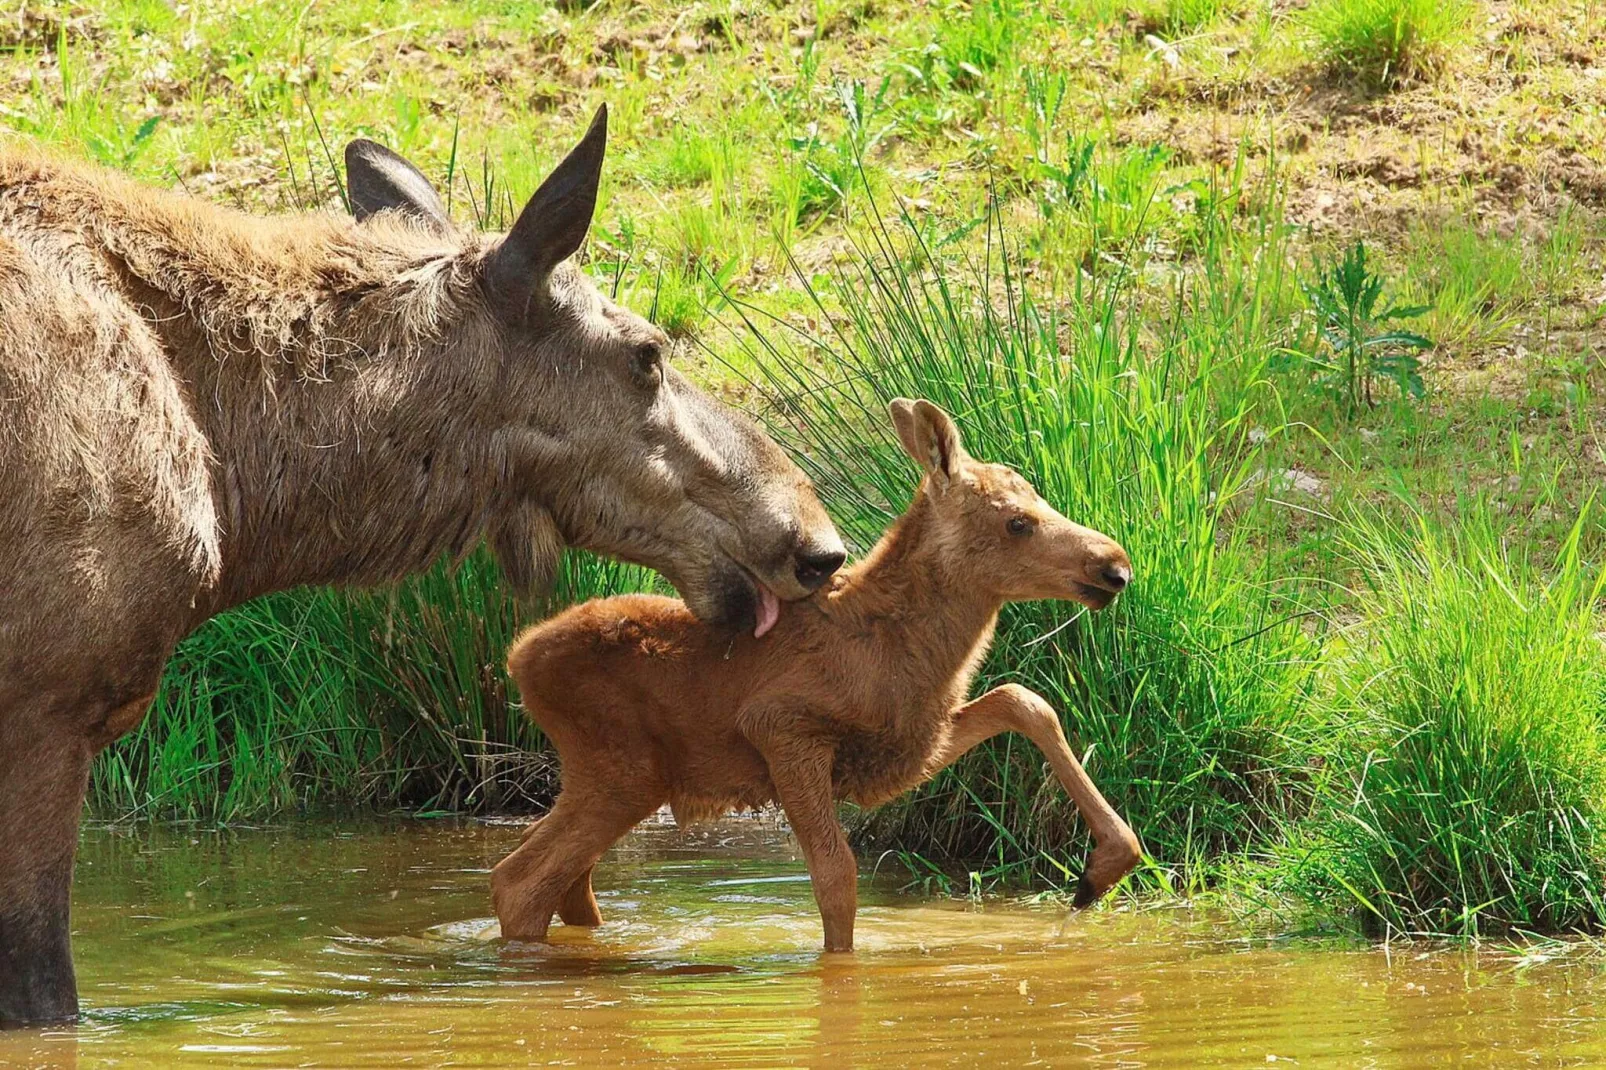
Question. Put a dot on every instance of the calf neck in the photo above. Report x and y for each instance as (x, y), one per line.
(858, 692)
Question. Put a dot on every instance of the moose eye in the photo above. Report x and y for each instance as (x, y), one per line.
(1019, 525)
(649, 360)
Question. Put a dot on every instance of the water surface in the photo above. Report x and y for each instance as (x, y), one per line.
(368, 944)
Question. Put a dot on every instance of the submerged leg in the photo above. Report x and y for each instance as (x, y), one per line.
(44, 771)
(1013, 708)
(802, 778)
(579, 906)
(535, 881)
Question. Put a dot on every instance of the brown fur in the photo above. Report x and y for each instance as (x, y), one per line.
(857, 694)
(198, 407)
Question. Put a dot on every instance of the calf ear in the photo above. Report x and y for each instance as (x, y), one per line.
(929, 436)
(378, 180)
(554, 223)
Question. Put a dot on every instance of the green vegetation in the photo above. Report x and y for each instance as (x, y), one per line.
(1280, 332)
(1191, 694)
(1383, 41)
(1473, 694)
(1355, 336)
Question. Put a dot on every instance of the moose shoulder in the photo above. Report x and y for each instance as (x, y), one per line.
(198, 407)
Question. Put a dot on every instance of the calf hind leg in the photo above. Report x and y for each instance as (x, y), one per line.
(579, 906)
(550, 872)
(1013, 708)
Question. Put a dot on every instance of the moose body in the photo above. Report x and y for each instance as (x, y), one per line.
(198, 407)
(857, 694)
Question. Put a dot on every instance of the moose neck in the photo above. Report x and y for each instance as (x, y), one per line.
(908, 577)
(329, 367)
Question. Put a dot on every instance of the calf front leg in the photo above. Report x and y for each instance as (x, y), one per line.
(1012, 708)
(44, 772)
(801, 774)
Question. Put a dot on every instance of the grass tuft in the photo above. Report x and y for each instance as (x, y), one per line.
(1473, 794)
(1383, 42)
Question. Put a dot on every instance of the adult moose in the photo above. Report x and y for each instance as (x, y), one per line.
(198, 407)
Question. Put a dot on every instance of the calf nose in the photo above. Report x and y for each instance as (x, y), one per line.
(814, 567)
(1116, 576)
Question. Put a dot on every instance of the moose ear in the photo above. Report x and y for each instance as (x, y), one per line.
(378, 180)
(929, 436)
(554, 223)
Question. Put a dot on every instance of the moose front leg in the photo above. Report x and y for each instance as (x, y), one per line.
(1012, 708)
(44, 772)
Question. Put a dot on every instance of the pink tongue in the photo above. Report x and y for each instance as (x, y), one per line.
(769, 611)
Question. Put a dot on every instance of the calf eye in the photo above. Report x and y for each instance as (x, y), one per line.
(1019, 525)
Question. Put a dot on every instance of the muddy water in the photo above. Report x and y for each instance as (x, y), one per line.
(367, 945)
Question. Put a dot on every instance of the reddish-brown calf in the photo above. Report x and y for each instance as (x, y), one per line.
(857, 693)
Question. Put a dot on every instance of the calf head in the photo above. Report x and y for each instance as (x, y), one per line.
(993, 528)
(601, 443)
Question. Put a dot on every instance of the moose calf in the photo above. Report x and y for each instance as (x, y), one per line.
(858, 693)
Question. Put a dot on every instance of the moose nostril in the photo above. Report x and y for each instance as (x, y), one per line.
(815, 567)
(1116, 577)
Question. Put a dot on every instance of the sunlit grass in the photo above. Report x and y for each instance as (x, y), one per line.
(1384, 41)
(1472, 693)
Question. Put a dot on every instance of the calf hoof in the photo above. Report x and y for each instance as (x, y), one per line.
(524, 927)
(1108, 863)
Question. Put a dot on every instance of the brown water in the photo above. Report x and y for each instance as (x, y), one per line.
(368, 945)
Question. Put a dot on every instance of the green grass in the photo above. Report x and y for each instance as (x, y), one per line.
(1471, 796)
(1385, 41)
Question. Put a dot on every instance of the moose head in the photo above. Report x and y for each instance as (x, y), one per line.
(602, 443)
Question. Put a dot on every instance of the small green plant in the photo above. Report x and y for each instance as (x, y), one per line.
(1382, 42)
(971, 44)
(1355, 346)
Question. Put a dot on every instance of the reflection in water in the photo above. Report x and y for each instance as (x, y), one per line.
(366, 944)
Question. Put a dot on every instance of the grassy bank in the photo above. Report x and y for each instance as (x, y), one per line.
(1470, 781)
(1269, 292)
